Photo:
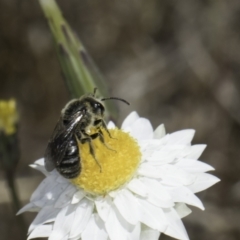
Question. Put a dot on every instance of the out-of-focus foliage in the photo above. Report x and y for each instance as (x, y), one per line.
(177, 62)
(8, 116)
(9, 153)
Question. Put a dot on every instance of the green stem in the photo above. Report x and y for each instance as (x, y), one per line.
(9, 156)
(12, 189)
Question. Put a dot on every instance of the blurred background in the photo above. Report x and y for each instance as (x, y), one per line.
(177, 62)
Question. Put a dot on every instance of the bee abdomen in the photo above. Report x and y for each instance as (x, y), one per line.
(69, 161)
(70, 170)
(70, 165)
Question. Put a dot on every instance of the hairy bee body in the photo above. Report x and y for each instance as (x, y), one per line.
(78, 117)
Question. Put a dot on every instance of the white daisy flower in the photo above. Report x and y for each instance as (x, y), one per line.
(143, 190)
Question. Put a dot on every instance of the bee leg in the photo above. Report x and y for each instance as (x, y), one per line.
(92, 152)
(99, 123)
(106, 129)
(100, 135)
(91, 148)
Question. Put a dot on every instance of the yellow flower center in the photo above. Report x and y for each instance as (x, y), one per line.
(8, 116)
(119, 158)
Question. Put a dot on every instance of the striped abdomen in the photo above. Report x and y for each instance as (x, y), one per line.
(70, 165)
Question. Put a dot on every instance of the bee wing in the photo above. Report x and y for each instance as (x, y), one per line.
(58, 143)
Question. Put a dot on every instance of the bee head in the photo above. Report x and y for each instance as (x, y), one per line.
(97, 107)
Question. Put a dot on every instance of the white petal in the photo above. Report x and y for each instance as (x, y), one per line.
(159, 132)
(170, 173)
(135, 233)
(46, 215)
(56, 235)
(61, 179)
(78, 196)
(202, 182)
(171, 182)
(193, 166)
(113, 193)
(181, 137)
(83, 213)
(175, 228)
(182, 210)
(46, 185)
(40, 162)
(52, 195)
(103, 205)
(136, 186)
(65, 197)
(149, 233)
(151, 215)
(41, 231)
(127, 206)
(114, 226)
(75, 238)
(150, 145)
(95, 229)
(129, 120)
(118, 228)
(65, 238)
(40, 168)
(142, 129)
(111, 125)
(157, 194)
(47, 192)
(196, 151)
(183, 194)
(63, 222)
(163, 141)
(145, 169)
(166, 154)
(30, 207)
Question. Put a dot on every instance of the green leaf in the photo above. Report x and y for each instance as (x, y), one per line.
(80, 73)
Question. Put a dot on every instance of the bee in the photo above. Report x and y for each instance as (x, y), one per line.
(77, 118)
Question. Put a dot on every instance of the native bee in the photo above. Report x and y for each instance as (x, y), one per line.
(76, 120)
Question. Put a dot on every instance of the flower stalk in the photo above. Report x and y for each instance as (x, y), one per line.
(9, 151)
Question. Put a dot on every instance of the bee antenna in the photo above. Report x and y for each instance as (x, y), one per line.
(94, 91)
(120, 99)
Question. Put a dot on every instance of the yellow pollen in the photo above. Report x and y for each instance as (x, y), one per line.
(119, 159)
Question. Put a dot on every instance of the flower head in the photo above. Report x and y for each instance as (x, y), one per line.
(147, 179)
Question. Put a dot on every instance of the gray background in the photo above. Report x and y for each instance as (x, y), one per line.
(177, 62)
